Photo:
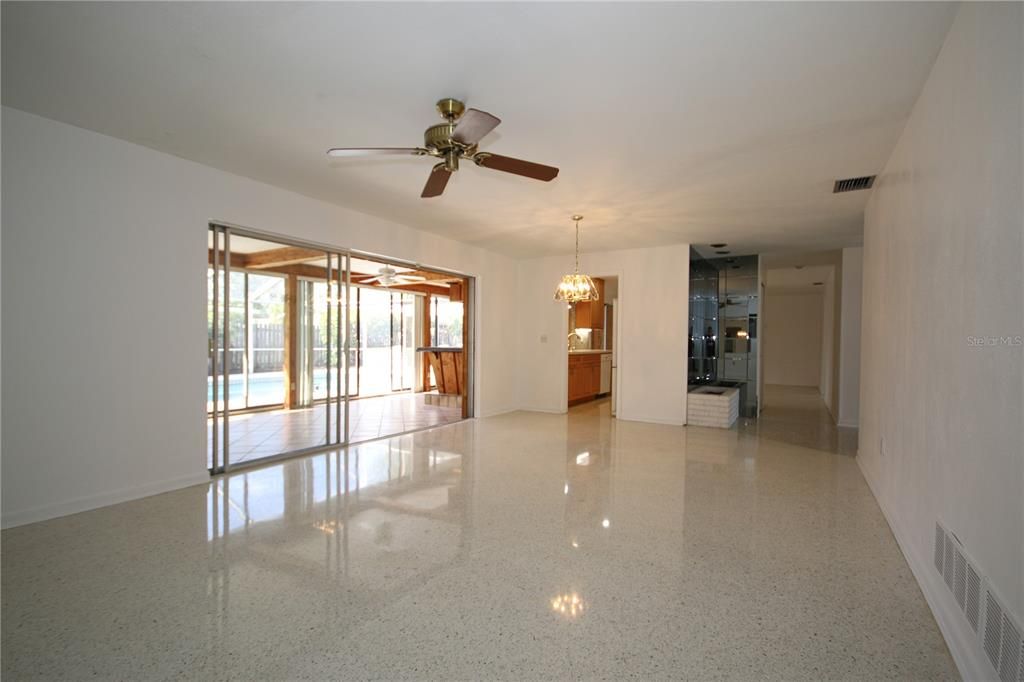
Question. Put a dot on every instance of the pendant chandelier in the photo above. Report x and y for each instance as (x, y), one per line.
(576, 287)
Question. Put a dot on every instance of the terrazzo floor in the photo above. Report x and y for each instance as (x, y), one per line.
(796, 415)
(524, 546)
(254, 435)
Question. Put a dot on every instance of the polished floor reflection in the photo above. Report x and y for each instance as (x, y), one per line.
(797, 415)
(255, 435)
(524, 546)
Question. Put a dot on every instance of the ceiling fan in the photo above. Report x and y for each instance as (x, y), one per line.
(457, 138)
(388, 276)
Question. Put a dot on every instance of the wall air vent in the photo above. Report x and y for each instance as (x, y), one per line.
(959, 577)
(972, 602)
(993, 629)
(1009, 656)
(947, 564)
(999, 635)
(853, 184)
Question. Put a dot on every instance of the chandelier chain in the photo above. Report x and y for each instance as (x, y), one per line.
(577, 246)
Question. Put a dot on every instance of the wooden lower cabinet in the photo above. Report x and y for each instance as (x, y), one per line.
(584, 376)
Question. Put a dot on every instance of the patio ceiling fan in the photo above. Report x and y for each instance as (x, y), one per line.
(388, 276)
(457, 138)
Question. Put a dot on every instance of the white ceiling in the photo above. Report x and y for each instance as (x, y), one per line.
(791, 279)
(775, 261)
(670, 122)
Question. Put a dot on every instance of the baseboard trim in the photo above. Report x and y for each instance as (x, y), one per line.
(649, 420)
(963, 644)
(498, 413)
(543, 410)
(849, 425)
(52, 511)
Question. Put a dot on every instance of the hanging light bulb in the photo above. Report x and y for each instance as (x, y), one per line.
(576, 287)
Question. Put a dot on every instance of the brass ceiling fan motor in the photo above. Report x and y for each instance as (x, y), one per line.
(456, 138)
(438, 139)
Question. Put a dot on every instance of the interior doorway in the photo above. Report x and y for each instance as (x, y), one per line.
(313, 347)
(803, 329)
(592, 345)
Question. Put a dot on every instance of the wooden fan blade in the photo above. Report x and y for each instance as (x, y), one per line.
(473, 125)
(376, 151)
(436, 182)
(517, 166)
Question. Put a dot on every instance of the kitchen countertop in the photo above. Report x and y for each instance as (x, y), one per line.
(587, 351)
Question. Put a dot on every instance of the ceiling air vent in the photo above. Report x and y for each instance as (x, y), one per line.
(853, 184)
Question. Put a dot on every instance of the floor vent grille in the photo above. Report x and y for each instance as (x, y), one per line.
(940, 547)
(1000, 636)
(947, 565)
(853, 184)
(972, 604)
(959, 577)
(1009, 656)
(1020, 670)
(993, 629)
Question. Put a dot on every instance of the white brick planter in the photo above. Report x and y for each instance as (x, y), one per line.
(713, 406)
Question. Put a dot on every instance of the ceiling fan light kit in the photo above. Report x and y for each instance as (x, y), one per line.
(577, 287)
(454, 140)
(388, 276)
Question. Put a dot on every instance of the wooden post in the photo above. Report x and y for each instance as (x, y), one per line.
(464, 289)
(425, 341)
(291, 342)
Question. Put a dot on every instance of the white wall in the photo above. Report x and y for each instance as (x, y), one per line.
(849, 344)
(829, 340)
(762, 313)
(611, 290)
(104, 306)
(943, 262)
(793, 338)
(652, 313)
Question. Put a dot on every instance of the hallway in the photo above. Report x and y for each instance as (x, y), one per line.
(528, 545)
(797, 415)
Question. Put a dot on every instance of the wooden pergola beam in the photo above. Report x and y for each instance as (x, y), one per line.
(302, 270)
(420, 288)
(295, 262)
(238, 261)
(286, 255)
(425, 274)
(433, 276)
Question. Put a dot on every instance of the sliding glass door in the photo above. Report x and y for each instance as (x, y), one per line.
(276, 320)
(264, 339)
(255, 353)
(403, 347)
(312, 348)
(387, 353)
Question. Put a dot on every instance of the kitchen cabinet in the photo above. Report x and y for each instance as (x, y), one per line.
(583, 315)
(590, 314)
(584, 376)
(597, 307)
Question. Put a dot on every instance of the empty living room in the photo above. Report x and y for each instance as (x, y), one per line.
(512, 340)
